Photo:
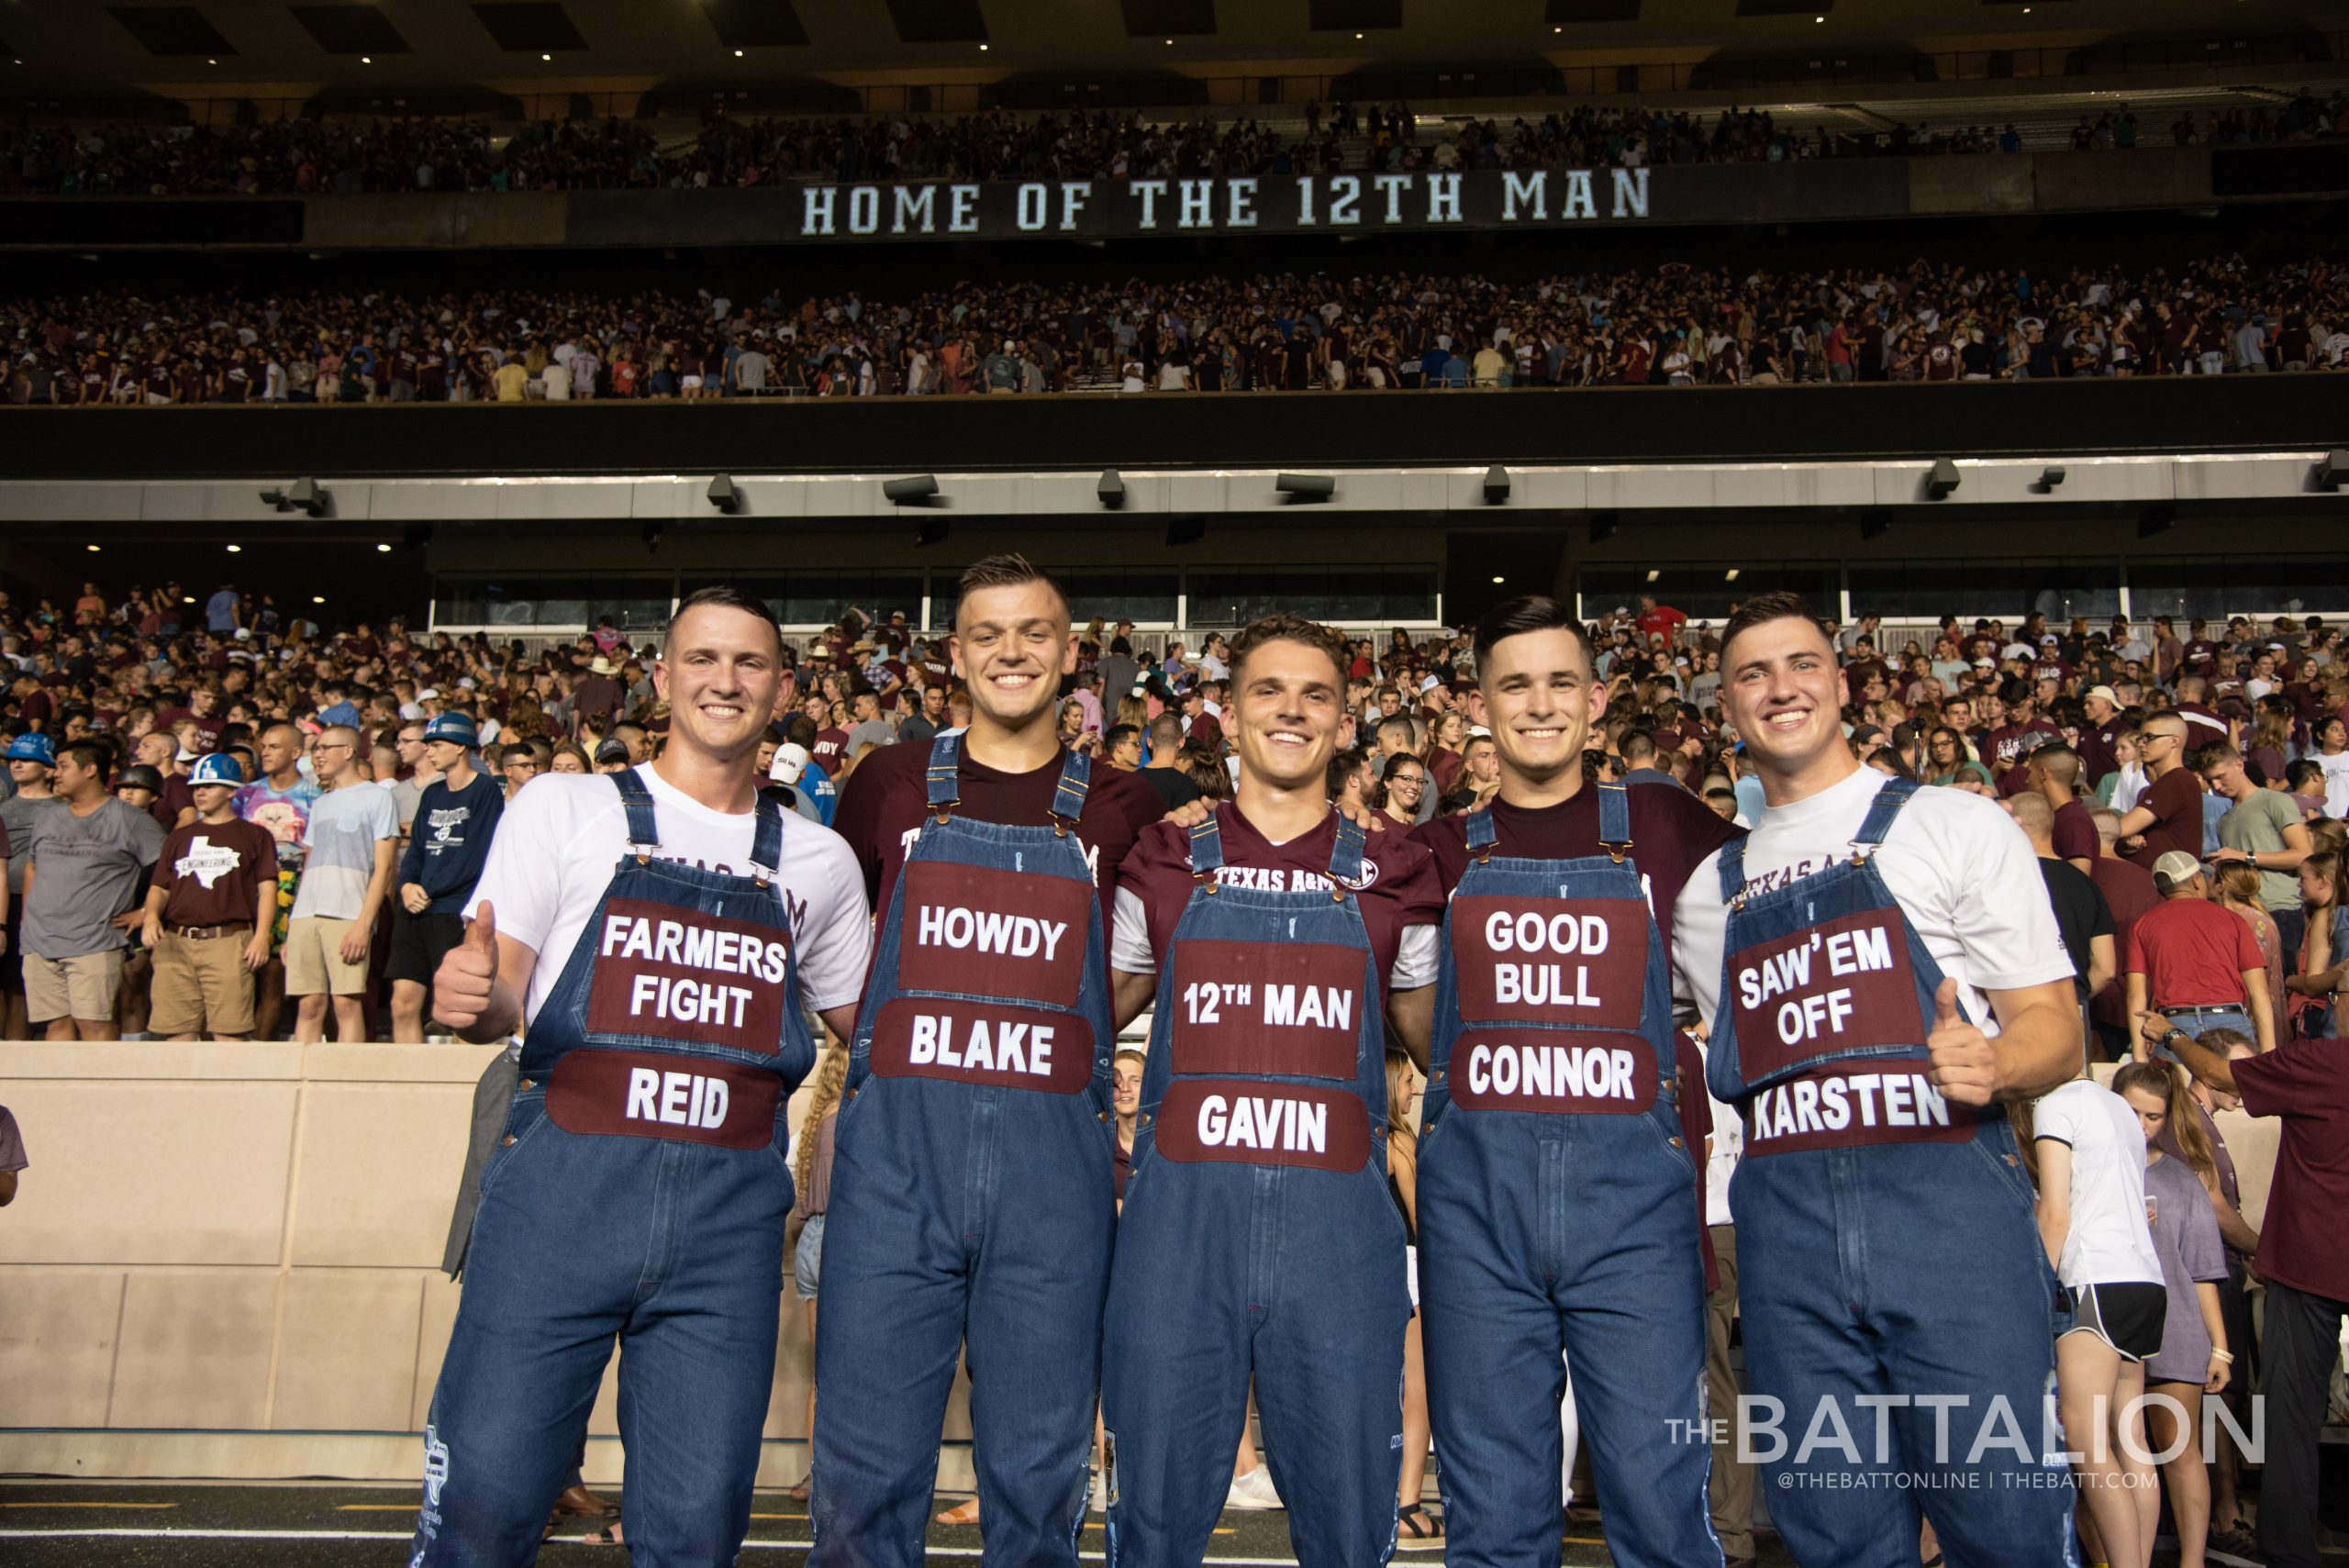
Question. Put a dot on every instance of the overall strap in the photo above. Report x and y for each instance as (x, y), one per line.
(1732, 868)
(643, 832)
(945, 791)
(1482, 835)
(1207, 852)
(1615, 820)
(1345, 857)
(1881, 811)
(766, 838)
(1068, 799)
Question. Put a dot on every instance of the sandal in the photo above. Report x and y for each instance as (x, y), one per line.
(607, 1536)
(1416, 1532)
(960, 1514)
(797, 1494)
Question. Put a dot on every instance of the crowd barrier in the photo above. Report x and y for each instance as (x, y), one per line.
(224, 1261)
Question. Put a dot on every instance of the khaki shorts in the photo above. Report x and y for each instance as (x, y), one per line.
(314, 958)
(202, 985)
(83, 988)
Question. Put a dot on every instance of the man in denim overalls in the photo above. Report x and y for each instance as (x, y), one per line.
(1558, 1207)
(1258, 1236)
(1898, 1307)
(648, 1116)
(972, 1209)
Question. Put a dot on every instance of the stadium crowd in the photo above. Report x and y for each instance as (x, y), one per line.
(1673, 325)
(215, 809)
(348, 156)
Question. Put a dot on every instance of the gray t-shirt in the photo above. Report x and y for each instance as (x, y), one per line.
(16, 816)
(88, 869)
(2185, 1235)
(407, 795)
(872, 732)
(2257, 825)
(345, 826)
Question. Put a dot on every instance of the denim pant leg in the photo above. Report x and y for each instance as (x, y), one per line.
(697, 1365)
(1176, 1355)
(887, 1342)
(1494, 1377)
(533, 1335)
(2303, 1341)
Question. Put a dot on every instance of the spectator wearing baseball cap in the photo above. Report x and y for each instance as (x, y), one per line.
(208, 913)
(2195, 963)
(32, 762)
(455, 817)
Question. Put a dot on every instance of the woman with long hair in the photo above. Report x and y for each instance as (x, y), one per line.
(811, 1173)
(2332, 754)
(1405, 779)
(1948, 762)
(1446, 751)
(2120, 788)
(2234, 884)
(2324, 948)
(2193, 1359)
(1414, 1530)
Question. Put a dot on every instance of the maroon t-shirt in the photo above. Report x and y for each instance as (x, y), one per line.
(212, 872)
(886, 801)
(2074, 833)
(1402, 891)
(829, 744)
(2175, 801)
(1672, 832)
(2193, 954)
(2305, 1083)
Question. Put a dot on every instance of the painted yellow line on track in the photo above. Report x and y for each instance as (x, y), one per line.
(88, 1504)
(374, 1508)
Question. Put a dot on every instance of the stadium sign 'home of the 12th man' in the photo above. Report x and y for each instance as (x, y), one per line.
(1484, 199)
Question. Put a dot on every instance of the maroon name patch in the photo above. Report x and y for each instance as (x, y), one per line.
(1883, 1100)
(691, 1099)
(1551, 1070)
(1255, 1123)
(1292, 1008)
(985, 1044)
(1842, 985)
(1017, 935)
(677, 974)
(1551, 960)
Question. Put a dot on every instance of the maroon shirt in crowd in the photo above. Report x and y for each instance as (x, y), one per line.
(886, 801)
(2305, 1083)
(2175, 801)
(212, 872)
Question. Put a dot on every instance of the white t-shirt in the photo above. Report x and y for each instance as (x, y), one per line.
(1962, 871)
(561, 838)
(2336, 783)
(2109, 1241)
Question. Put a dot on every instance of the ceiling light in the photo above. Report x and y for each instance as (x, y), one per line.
(1731, 576)
(366, 60)
(93, 550)
(1655, 573)
(1357, 38)
(317, 598)
(211, 63)
(1170, 43)
(737, 54)
(380, 549)
(189, 600)
(546, 56)
(1557, 29)
(1499, 580)
(236, 550)
(983, 49)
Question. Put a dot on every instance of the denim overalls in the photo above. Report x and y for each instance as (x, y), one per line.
(1885, 1238)
(640, 1190)
(1258, 1234)
(1558, 1211)
(971, 1192)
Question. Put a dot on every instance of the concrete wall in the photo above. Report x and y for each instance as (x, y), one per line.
(225, 1261)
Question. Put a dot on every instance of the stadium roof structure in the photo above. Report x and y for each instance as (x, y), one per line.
(282, 49)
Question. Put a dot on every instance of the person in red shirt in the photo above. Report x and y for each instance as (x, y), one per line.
(2195, 962)
(2168, 816)
(1659, 624)
(2302, 1257)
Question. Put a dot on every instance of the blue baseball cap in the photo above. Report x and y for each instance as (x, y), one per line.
(455, 728)
(34, 747)
(216, 768)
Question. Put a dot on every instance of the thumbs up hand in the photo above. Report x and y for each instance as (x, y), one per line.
(1966, 1064)
(466, 983)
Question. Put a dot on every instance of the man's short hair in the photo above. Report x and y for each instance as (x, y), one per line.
(725, 597)
(94, 754)
(1637, 747)
(1166, 735)
(1284, 627)
(2032, 814)
(1007, 571)
(1528, 612)
(1779, 604)
(1118, 735)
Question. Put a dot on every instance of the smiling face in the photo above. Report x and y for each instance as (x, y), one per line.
(1784, 693)
(1537, 696)
(1290, 699)
(718, 673)
(1011, 645)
